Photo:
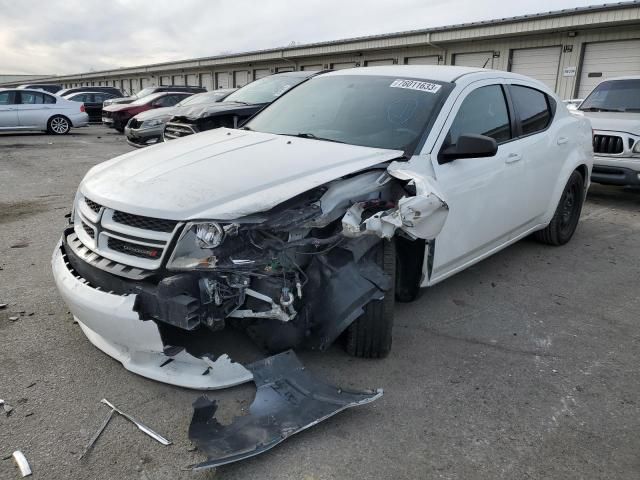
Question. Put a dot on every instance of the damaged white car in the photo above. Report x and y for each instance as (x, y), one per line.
(354, 189)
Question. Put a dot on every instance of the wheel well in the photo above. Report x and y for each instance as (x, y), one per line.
(410, 262)
(584, 171)
(60, 115)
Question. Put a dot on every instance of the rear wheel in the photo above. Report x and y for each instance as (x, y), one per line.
(370, 335)
(58, 125)
(565, 220)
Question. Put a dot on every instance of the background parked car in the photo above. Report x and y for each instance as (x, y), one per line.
(237, 107)
(116, 116)
(68, 91)
(146, 128)
(92, 103)
(150, 90)
(49, 87)
(37, 110)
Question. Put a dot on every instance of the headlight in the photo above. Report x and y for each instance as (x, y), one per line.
(194, 250)
(154, 123)
(636, 148)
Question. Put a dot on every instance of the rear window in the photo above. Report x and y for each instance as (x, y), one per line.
(533, 108)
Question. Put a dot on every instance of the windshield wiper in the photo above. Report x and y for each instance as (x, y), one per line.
(599, 109)
(314, 137)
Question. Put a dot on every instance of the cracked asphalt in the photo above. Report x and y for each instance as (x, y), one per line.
(523, 366)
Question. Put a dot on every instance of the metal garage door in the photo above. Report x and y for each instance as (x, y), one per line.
(240, 78)
(375, 63)
(206, 81)
(312, 68)
(222, 80)
(178, 80)
(343, 65)
(284, 69)
(192, 79)
(261, 73)
(165, 80)
(145, 82)
(427, 60)
(479, 59)
(539, 63)
(608, 59)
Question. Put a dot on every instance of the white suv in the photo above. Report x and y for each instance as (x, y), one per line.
(352, 190)
(614, 111)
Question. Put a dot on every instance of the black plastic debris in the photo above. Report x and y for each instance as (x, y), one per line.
(288, 400)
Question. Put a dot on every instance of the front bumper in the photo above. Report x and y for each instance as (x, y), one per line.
(612, 170)
(109, 322)
(140, 138)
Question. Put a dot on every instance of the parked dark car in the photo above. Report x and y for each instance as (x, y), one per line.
(147, 128)
(92, 102)
(150, 90)
(47, 87)
(116, 116)
(236, 108)
(68, 91)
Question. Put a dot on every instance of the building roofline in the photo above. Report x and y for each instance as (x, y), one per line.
(424, 31)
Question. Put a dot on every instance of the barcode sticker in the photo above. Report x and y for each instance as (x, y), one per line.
(416, 85)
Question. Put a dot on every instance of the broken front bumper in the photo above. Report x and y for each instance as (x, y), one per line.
(109, 322)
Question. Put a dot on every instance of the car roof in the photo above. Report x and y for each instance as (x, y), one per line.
(163, 94)
(91, 91)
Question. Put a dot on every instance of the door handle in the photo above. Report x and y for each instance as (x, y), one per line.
(513, 157)
(562, 140)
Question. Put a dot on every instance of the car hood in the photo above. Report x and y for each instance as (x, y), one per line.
(222, 174)
(155, 113)
(615, 121)
(214, 108)
(116, 107)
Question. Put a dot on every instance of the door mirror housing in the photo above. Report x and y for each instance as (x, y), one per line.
(470, 145)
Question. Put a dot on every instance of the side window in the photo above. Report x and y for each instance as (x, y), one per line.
(7, 98)
(532, 107)
(98, 97)
(483, 112)
(31, 98)
(49, 99)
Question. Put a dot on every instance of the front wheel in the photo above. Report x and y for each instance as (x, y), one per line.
(565, 219)
(58, 125)
(370, 335)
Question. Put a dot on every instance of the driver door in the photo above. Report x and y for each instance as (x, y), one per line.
(486, 199)
(8, 109)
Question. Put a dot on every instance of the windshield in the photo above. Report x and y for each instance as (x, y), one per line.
(372, 111)
(147, 98)
(144, 92)
(614, 96)
(265, 90)
(199, 98)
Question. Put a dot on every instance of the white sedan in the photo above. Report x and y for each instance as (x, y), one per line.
(351, 191)
(24, 110)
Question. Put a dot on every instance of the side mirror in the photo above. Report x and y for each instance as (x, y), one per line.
(470, 145)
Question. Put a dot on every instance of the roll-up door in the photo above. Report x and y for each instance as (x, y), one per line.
(342, 65)
(426, 60)
(376, 63)
(165, 80)
(145, 82)
(192, 80)
(222, 80)
(312, 68)
(284, 69)
(539, 63)
(240, 78)
(178, 80)
(479, 59)
(206, 81)
(606, 60)
(261, 73)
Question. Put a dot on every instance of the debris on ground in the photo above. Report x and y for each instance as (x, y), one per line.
(3, 306)
(22, 464)
(14, 319)
(94, 439)
(6, 407)
(288, 400)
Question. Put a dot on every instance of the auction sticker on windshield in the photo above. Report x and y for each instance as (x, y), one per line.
(416, 85)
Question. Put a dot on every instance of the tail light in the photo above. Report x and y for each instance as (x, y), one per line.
(82, 107)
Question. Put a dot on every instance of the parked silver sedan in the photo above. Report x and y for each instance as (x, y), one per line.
(24, 109)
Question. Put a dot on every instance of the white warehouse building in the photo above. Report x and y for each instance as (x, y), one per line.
(570, 50)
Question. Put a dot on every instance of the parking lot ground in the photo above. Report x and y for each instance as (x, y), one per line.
(523, 366)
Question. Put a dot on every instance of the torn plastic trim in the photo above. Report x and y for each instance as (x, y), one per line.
(288, 400)
(419, 216)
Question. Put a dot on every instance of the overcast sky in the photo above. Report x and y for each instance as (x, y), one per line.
(72, 36)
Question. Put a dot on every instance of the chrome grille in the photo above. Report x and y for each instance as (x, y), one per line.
(176, 130)
(135, 249)
(609, 144)
(144, 223)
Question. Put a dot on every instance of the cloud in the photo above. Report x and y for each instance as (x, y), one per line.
(44, 37)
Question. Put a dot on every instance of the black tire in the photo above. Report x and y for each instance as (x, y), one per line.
(409, 263)
(565, 219)
(58, 125)
(370, 335)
